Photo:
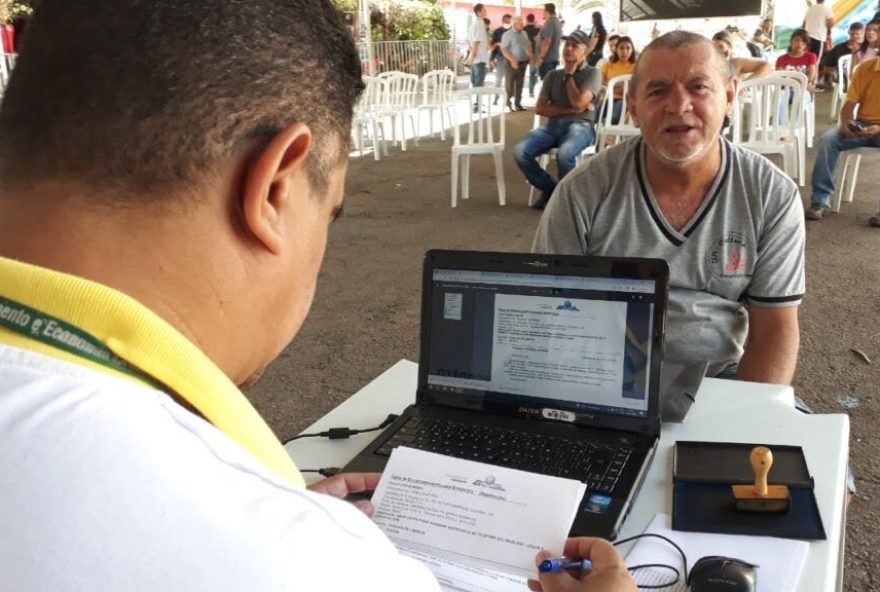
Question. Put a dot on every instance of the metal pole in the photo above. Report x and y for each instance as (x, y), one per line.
(365, 35)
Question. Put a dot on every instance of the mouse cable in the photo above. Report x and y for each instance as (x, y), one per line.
(342, 433)
(661, 565)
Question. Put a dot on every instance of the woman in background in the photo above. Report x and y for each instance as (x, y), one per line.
(621, 62)
(739, 67)
(870, 46)
(597, 40)
(799, 58)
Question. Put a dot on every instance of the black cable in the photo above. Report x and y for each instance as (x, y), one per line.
(342, 433)
(661, 565)
(324, 472)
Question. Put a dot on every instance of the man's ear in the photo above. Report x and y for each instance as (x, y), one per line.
(631, 108)
(275, 176)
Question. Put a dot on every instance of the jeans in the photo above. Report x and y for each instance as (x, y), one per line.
(569, 135)
(833, 142)
(515, 79)
(533, 78)
(478, 74)
(546, 67)
(616, 112)
(500, 70)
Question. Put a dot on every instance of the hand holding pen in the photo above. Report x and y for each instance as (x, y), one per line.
(588, 565)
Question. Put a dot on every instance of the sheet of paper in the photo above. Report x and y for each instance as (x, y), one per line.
(460, 576)
(780, 561)
(473, 513)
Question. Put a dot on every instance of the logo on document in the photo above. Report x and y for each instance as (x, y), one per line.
(489, 482)
(567, 305)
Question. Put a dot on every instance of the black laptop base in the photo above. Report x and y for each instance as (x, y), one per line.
(610, 463)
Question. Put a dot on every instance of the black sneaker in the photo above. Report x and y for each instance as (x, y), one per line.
(815, 212)
(874, 221)
(521, 108)
(542, 201)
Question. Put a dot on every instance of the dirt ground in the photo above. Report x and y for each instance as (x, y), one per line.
(366, 312)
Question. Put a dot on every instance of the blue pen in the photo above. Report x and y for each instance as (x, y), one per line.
(557, 564)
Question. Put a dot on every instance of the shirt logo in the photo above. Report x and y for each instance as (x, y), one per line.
(728, 256)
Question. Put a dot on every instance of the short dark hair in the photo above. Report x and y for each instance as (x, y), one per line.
(146, 97)
(856, 25)
(676, 40)
(551, 8)
(506, 17)
(477, 8)
(530, 18)
(802, 35)
(614, 37)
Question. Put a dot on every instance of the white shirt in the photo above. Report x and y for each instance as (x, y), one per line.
(109, 485)
(816, 20)
(478, 34)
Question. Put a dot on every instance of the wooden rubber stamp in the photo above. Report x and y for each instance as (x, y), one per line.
(761, 497)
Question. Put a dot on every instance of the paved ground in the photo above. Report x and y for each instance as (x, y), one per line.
(366, 313)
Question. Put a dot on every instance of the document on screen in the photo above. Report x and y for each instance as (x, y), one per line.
(472, 513)
(559, 342)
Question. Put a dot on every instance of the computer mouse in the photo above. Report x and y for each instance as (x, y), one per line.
(723, 574)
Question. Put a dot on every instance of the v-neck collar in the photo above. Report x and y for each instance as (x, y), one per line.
(678, 237)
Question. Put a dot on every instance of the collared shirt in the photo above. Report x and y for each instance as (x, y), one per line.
(586, 77)
(864, 89)
(478, 34)
(517, 43)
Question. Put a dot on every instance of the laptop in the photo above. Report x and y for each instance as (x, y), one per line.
(544, 363)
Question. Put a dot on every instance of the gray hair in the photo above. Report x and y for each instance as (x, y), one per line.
(677, 40)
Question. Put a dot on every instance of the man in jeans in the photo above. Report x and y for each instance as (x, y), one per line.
(567, 100)
(478, 54)
(853, 132)
(532, 31)
(548, 41)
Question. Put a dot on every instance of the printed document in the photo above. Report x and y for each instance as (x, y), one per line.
(470, 517)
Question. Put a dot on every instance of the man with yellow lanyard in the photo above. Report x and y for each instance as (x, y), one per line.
(168, 174)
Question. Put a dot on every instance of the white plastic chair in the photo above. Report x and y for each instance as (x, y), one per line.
(809, 120)
(484, 135)
(849, 175)
(838, 97)
(544, 159)
(438, 87)
(366, 118)
(623, 128)
(774, 121)
(398, 103)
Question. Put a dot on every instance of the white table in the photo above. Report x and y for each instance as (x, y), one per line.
(725, 411)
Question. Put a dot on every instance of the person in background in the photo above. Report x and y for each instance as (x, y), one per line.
(548, 41)
(763, 36)
(727, 220)
(532, 31)
(739, 68)
(870, 48)
(567, 100)
(478, 49)
(818, 23)
(516, 49)
(830, 59)
(800, 59)
(621, 62)
(497, 58)
(612, 43)
(854, 131)
(597, 40)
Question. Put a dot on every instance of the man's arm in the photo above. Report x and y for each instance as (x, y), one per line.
(509, 57)
(545, 108)
(772, 345)
(545, 47)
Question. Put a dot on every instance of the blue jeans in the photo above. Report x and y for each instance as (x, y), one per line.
(478, 74)
(546, 67)
(616, 112)
(569, 135)
(533, 78)
(500, 72)
(833, 142)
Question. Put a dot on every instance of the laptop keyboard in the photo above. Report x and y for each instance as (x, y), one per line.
(597, 464)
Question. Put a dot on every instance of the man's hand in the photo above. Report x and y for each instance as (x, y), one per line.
(513, 64)
(345, 484)
(869, 132)
(609, 573)
(539, 60)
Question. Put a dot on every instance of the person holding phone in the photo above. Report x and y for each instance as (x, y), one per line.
(859, 127)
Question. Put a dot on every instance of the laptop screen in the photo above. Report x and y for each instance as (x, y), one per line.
(566, 342)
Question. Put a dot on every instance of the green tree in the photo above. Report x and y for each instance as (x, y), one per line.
(402, 20)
